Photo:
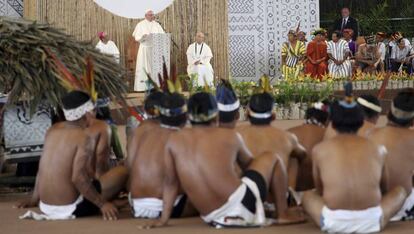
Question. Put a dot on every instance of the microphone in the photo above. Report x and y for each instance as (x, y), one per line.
(157, 19)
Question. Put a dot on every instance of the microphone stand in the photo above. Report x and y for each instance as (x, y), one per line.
(172, 40)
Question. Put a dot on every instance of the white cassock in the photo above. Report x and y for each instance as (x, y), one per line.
(109, 48)
(200, 52)
(144, 57)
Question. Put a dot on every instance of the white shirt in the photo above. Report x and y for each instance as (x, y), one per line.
(344, 22)
(109, 48)
(401, 54)
(382, 50)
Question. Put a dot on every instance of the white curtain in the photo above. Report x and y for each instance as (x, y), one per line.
(133, 9)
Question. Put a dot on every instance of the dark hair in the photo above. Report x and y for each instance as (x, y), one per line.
(104, 113)
(337, 33)
(75, 99)
(400, 40)
(153, 100)
(261, 103)
(403, 101)
(228, 117)
(369, 113)
(170, 102)
(345, 7)
(202, 103)
(346, 120)
(318, 115)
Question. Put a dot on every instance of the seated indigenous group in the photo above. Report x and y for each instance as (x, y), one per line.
(341, 57)
(236, 175)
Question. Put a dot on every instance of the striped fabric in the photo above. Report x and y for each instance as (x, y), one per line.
(339, 51)
(293, 67)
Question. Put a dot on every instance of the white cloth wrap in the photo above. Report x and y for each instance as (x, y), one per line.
(148, 208)
(408, 205)
(349, 221)
(52, 212)
(79, 112)
(235, 208)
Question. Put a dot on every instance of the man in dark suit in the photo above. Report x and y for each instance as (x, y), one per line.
(346, 22)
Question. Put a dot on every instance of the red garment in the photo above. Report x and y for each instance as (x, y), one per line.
(316, 51)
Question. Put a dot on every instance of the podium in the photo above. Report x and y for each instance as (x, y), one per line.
(160, 52)
(157, 47)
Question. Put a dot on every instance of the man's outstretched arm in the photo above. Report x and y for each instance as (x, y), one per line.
(299, 151)
(84, 183)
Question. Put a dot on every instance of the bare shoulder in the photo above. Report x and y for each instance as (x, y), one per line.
(99, 125)
(56, 127)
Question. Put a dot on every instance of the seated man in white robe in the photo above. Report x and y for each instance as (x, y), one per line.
(199, 55)
(339, 54)
(106, 46)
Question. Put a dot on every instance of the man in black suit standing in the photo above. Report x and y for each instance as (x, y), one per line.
(347, 22)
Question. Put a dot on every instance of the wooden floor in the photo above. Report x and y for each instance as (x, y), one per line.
(10, 224)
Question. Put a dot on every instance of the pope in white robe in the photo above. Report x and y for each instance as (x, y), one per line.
(144, 57)
(199, 55)
(106, 46)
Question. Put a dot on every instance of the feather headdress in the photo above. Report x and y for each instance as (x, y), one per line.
(227, 100)
(70, 82)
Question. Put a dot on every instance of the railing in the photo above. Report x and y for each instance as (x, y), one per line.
(406, 25)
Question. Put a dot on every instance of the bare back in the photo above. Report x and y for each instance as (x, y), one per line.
(204, 158)
(147, 170)
(400, 160)
(308, 135)
(138, 135)
(56, 164)
(101, 133)
(348, 171)
(261, 139)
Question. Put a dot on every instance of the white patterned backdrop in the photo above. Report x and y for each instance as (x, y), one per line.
(257, 29)
(11, 8)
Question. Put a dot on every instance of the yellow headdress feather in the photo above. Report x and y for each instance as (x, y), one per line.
(264, 85)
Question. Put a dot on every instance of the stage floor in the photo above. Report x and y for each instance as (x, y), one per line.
(10, 224)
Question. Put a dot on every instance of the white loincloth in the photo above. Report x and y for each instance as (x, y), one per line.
(408, 205)
(234, 208)
(348, 221)
(148, 208)
(51, 212)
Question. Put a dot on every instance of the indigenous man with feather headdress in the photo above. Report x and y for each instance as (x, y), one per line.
(260, 136)
(146, 153)
(351, 195)
(399, 141)
(64, 189)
